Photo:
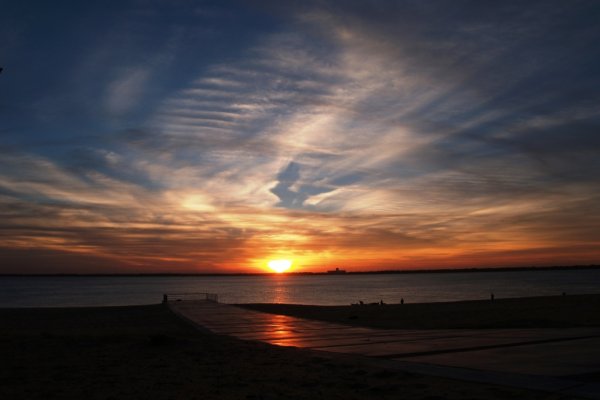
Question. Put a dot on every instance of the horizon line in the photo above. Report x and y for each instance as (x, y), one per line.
(391, 271)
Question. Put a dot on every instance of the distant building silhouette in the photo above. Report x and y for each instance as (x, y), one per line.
(337, 271)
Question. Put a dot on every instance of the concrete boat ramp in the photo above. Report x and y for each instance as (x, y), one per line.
(565, 361)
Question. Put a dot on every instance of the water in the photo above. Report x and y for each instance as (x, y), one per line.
(316, 289)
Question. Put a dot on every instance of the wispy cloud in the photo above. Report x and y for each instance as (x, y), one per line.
(126, 90)
(398, 135)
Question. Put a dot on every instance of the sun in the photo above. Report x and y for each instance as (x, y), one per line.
(279, 266)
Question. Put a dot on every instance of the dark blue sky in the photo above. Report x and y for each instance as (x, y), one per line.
(200, 136)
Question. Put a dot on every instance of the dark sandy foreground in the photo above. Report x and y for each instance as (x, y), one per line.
(146, 352)
(534, 312)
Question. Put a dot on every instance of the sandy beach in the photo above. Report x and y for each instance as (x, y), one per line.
(147, 352)
(533, 312)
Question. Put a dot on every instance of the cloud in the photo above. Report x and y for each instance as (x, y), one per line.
(126, 90)
(393, 134)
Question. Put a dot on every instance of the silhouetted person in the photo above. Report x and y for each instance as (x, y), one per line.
(381, 302)
(492, 297)
(360, 302)
(402, 300)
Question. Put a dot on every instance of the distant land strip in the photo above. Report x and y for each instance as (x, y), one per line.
(395, 271)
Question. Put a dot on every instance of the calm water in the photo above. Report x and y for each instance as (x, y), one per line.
(320, 289)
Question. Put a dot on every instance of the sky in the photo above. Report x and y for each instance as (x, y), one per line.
(214, 136)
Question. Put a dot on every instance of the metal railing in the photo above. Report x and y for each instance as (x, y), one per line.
(170, 297)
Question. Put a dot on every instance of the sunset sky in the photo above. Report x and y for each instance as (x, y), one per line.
(187, 136)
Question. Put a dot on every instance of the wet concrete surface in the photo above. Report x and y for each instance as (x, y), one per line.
(545, 353)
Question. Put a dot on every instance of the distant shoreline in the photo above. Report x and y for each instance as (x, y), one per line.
(410, 271)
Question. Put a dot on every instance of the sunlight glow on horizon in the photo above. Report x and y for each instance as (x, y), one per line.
(279, 266)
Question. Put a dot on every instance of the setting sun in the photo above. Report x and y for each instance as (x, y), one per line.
(280, 266)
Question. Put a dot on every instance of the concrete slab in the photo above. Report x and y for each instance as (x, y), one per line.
(532, 358)
(558, 359)
(405, 348)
